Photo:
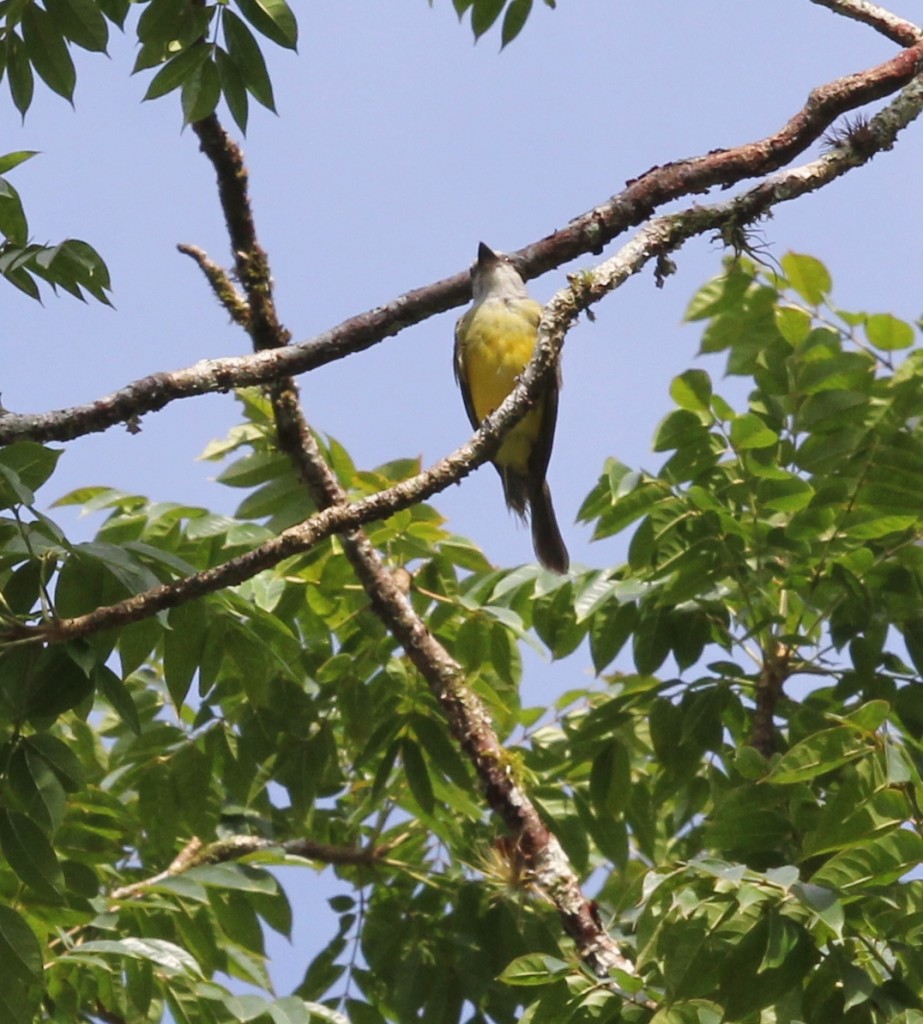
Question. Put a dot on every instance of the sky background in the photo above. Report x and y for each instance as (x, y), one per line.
(400, 145)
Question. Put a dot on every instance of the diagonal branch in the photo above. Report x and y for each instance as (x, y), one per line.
(898, 30)
(467, 716)
(589, 232)
(658, 238)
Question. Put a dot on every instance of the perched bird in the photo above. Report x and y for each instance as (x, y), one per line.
(494, 342)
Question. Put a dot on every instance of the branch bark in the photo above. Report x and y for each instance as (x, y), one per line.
(898, 30)
(196, 853)
(775, 671)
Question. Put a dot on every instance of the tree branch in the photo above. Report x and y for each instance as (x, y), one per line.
(196, 853)
(774, 672)
(229, 297)
(658, 238)
(589, 232)
(898, 30)
(467, 716)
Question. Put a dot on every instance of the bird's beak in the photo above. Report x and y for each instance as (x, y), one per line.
(486, 255)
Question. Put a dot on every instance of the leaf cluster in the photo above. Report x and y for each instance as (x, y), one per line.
(153, 775)
(485, 13)
(181, 39)
(71, 265)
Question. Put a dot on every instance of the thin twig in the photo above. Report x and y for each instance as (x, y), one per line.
(196, 854)
(221, 284)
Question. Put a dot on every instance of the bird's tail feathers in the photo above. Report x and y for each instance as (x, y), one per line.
(546, 536)
(515, 490)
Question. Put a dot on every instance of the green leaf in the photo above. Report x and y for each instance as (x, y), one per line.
(114, 690)
(166, 955)
(818, 754)
(913, 638)
(201, 92)
(677, 430)
(39, 794)
(33, 463)
(887, 332)
(785, 495)
(651, 643)
(831, 410)
(749, 431)
(82, 22)
(877, 861)
(417, 776)
(609, 630)
(720, 294)
(74, 264)
(48, 52)
(159, 21)
(692, 390)
(19, 73)
(273, 18)
(870, 716)
(184, 647)
(822, 902)
(794, 324)
(435, 741)
(610, 780)
(323, 971)
(115, 10)
(12, 216)
(57, 684)
(534, 969)
(60, 758)
(21, 956)
(808, 276)
(178, 71)
(234, 89)
(238, 877)
(483, 14)
(29, 853)
(513, 21)
(245, 53)
(10, 160)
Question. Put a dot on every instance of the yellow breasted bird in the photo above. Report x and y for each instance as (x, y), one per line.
(494, 342)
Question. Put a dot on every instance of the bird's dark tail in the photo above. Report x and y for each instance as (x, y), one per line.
(546, 537)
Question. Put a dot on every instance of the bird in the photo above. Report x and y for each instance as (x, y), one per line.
(494, 341)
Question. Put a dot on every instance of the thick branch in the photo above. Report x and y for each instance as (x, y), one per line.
(589, 232)
(769, 687)
(898, 30)
(659, 237)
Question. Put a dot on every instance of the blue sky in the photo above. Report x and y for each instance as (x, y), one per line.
(399, 146)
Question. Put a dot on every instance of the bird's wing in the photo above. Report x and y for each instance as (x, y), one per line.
(461, 375)
(541, 450)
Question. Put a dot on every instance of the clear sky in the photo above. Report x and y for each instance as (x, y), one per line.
(399, 146)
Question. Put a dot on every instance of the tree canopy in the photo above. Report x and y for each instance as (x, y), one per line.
(722, 825)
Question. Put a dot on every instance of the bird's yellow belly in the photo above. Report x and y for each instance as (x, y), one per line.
(498, 348)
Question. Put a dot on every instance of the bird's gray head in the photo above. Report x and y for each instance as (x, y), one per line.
(493, 276)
